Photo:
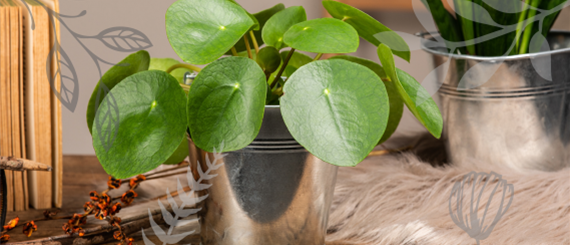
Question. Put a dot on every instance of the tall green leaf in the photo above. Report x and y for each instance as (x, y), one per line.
(368, 27)
(416, 98)
(396, 101)
(151, 125)
(202, 31)
(338, 110)
(448, 26)
(226, 104)
(132, 64)
(324, 35)
(464, 17)
(279, 23)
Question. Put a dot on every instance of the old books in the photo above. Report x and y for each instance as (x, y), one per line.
(30, 121)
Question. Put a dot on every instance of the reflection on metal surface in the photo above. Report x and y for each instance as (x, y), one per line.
(504, 112)
(271, 192)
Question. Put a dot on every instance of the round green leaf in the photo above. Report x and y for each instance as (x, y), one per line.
(279, 23)
(202, 31)
(336, 109)
(324, 35)
(252, 17)
(163, 64)
(132, 64)
(396, 101)
(269, 59)
(416, 97)
(226, 104)
(180, 154)
(152, 122)
(368, 27)
(262, 18)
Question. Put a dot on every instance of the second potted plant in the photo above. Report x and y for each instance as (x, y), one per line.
(505, 82)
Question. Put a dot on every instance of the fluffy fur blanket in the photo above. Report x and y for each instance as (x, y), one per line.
(405, 199)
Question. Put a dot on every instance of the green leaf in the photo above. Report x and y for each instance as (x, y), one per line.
(262, 18)
(324, 35)
(255, 26)
(226, 104)
(296, 61)
(336, 109)
(180, 154)
(132, 64)
(415, 96)
(279, 23)
(368, 27)
(396, 101)
(449, 27)
(151, 125)
(162, 64)
(202, 31)
(269, 59)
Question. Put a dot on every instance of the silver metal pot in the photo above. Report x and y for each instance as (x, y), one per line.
(271, 192)
(505, 112)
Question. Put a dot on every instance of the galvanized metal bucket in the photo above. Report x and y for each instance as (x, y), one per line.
(271, 192)
(504, 112)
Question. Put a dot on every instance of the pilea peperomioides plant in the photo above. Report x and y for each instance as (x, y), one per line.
(339, 109)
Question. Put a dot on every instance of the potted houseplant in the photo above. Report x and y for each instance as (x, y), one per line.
(285, 119)
(505, 82)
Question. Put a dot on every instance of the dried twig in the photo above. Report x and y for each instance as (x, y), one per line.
(101, 234)
(17, 164)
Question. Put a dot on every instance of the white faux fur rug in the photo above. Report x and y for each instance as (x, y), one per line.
(400, 199)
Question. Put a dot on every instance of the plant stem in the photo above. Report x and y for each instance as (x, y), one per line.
(254, 40)
(246, 40)
(285, 63)
(319, 55)
(234, 51)
(187, 66)
(521, 24)
(528, 30)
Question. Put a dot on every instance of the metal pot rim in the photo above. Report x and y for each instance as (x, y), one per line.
(431, 50)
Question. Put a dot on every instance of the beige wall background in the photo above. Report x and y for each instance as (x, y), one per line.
(148, 17)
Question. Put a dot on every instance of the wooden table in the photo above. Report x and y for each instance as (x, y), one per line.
(81, 175)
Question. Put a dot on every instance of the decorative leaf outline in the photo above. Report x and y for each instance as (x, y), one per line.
(133, 38)
(110, 118)
(30, 14)
(188, 200)
(471, 223)
(543, 63)
(67, 97)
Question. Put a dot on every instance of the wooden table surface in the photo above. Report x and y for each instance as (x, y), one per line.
(81, 175)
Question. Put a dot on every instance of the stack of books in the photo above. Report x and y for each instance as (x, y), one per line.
(30, 113)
